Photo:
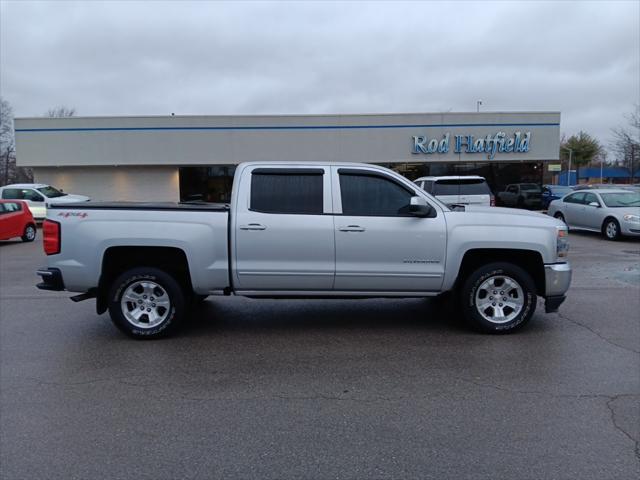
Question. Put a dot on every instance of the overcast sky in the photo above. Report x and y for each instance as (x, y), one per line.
(140, 58)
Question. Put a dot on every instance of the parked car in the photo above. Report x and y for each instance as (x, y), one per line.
(38, 196)
(613, 212)
(622, 186)
(305, 230)
(521, 195)
(461, 190)
(16, 221)
(553, 192)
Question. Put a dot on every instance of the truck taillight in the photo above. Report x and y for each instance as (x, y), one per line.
(492, 201)
(51, 237)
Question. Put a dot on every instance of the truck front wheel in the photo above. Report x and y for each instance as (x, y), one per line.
(498, 298)
(146, 303)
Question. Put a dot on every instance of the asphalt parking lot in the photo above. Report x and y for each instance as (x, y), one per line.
(324, 389)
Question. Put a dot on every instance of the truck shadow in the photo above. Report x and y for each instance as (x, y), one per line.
(240, 314)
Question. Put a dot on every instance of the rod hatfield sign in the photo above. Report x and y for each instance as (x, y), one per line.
(491, 144)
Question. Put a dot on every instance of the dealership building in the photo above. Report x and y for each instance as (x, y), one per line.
(171, 158)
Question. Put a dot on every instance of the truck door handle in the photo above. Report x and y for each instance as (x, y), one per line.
(253, 226)
(352, 228)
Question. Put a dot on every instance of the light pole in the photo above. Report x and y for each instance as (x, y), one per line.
(478, 103)
(569, 169)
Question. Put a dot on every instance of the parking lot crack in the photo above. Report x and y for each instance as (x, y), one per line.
(617, 426)
(602, 337)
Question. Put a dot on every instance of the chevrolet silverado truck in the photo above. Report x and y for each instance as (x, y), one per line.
(310, 230)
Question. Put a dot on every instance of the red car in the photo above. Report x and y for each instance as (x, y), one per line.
(16, 221)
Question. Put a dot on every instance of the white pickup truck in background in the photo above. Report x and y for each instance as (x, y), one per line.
(310, 230)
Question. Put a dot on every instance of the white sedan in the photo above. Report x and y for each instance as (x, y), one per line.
(613, 212)
(38, 196)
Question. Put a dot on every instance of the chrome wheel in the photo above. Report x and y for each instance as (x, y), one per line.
(499, 299)
(30, 233)
(145, 304)
(611, 229)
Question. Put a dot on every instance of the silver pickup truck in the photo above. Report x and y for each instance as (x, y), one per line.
(311, 230)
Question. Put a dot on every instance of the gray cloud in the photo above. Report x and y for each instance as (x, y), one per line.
(135, 58)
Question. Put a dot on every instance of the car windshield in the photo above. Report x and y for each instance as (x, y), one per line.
(530, 187)
(626, 199)
(51, 192)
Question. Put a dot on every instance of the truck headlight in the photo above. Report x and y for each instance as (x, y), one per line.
(632, 218)
(562, 243)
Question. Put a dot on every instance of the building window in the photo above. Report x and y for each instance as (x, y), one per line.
(207, 184)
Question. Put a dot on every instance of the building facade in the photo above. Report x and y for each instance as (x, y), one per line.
(194, 157)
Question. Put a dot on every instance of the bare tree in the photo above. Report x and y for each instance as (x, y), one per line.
(7, 142)
(60, 112)
(626, 142)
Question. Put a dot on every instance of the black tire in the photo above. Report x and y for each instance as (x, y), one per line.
(560, 217)
(29, 234)
(172, 317)
(486, 273)
(611, 229)
(520, 202)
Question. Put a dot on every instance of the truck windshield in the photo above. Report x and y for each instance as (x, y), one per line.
(50, 192)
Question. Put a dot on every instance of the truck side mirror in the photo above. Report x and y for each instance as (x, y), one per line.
(419, 207)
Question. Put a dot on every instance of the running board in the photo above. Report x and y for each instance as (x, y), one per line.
(93, 293)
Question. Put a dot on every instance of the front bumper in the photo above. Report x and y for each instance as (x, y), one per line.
(557, 280)
(51, 279)
(630, 229)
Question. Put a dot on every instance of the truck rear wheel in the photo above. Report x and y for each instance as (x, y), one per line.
(498, 298)
(146, 303)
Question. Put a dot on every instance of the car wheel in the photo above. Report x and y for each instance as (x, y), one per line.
(520, 202)
(611, 229)
(146, 303)
(29, 233)
(498, 298)
(560, 217)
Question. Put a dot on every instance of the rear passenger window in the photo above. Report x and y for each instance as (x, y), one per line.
(367, 195)
(12, 193)
(278, 191)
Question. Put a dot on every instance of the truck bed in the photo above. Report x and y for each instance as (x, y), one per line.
(184, 206)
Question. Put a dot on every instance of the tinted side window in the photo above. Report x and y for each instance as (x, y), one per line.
(32, 195)
(369, 195)
(575, 198)
(286, 193)
(12, 193)
(590, 197)
(428, 186)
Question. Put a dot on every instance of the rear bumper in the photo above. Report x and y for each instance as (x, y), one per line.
(557, 281)
(51, 279)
